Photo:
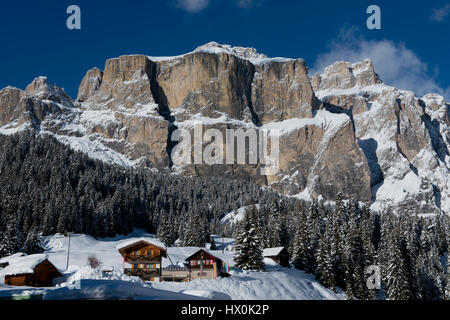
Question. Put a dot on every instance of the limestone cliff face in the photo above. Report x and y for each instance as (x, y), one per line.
(122, 96)
(238, 82)
(281, 90)
(10, 106)
(404, 138)
(124, 84)
(340, 131)
(90, 84)
(207, 83)
(319, 156)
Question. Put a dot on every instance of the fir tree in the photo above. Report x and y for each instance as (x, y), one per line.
(8, 242)
(301, 247)
(396, 279)
(164, 232)
(33, 242)
(248, 245)
(193, 236)
(325, 272)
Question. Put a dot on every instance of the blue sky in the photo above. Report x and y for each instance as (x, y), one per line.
(410, 51)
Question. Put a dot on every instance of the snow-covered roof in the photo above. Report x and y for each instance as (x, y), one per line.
(23, 265)
(130, 242)
(270, 252)
(10, 259)
(215, 253)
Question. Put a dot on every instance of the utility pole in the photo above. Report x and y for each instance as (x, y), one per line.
(68, 250)
(223, 244)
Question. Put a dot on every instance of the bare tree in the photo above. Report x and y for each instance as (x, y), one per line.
(94, 262)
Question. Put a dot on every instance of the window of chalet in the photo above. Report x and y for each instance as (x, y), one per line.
(200, 262)
(149, 253)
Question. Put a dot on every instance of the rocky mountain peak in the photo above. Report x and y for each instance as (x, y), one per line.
(242, 52)
(41, 89)
(346, 75)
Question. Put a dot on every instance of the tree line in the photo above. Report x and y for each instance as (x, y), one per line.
(48, 188)
(339, 243)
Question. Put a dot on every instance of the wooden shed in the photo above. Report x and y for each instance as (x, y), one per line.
(34, 271)
(280, 255)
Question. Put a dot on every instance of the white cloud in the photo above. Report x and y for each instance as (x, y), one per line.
(395, 64)
(248, 3)
(441, 14)
(193, 6)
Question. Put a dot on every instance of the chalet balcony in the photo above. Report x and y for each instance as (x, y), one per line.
(142, 259)
(142, 273)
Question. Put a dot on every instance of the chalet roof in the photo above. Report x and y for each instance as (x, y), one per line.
(130, 243)
(270, 252)
(12, 258)
(23, 265)
(213, 255)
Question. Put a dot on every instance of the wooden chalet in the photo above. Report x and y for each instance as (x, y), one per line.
(32, 271)
(143, 258)
(204, 265)
(280, 255)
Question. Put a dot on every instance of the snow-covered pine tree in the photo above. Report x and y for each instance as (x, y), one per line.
(193, 236)
(248, 244)
(430, 269)
(33, 242)
(314, 223)
(164, 232)
(324, 271)
(275, 229)
(205, 229)
(370, 255)
(396, 278)
(301, 248)
(8, 241)
(353, 262)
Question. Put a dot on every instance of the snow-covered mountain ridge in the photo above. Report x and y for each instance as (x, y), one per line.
(341, 131)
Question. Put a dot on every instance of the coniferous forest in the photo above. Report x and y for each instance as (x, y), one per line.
(47, 188)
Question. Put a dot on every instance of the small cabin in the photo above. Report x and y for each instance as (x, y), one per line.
(204, 265)
(142, 258)
(33, 271)
(280, 255)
